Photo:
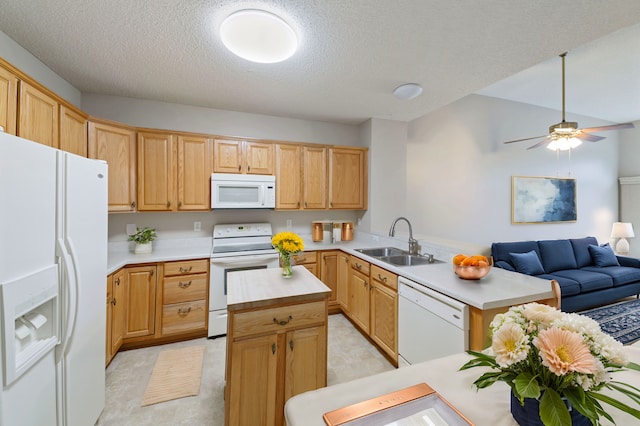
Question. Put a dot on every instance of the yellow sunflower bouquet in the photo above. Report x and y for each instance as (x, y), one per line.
(556, 364)
(287, 243)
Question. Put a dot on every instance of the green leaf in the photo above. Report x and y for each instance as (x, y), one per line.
(553, 411)
(527, 385)
(580, 402)
(615, 403)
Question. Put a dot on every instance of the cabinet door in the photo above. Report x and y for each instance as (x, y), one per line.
(227, 156)
(329, 272)
(342, 281)
(195, 164)
(73, 131)
(306, 361)
(117, 146)
(253, 378)
(359, 299)
(8, 101)
(119, 311)
(108, 354)
(156, 174)
(258, 158)
(37, 116)
(288, 176)
(314, 169)
(384, 318)
(347, 178)
(140, 296)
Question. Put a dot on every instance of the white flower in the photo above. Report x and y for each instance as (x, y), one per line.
(540, 313)
(510, 344)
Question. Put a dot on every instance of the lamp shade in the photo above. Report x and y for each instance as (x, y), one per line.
(622, 230)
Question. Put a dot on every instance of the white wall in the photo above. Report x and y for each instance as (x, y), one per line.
(630, 148)
(459, 173)
(13, 53)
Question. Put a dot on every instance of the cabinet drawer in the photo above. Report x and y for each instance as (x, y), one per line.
(280, 318)
(184, 289)
(305, 257)
(186, 267)
(360, 265)
(184, 317)
(385, 277)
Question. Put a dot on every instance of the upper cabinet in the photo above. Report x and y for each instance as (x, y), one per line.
(73, 131)
(174, 172)
(37, 116)
(314, 177)
(288, 176)
(8, 100)
(117, 146)
(347, 178)
(246, 157)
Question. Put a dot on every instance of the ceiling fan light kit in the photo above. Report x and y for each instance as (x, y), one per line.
(566, 135)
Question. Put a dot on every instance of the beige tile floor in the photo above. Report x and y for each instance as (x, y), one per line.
(350, 356)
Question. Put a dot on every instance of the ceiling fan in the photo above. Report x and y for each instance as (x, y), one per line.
(566, 134)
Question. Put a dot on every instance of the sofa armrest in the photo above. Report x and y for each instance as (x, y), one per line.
(628, 261)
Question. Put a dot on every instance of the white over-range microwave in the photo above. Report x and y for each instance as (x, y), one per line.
(231, 191)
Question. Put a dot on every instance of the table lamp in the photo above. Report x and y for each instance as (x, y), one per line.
(622, 230)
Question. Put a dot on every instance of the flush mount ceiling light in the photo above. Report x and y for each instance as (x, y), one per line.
(407, 91)
(258, 36)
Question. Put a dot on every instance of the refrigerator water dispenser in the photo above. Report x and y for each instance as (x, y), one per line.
(30, 320)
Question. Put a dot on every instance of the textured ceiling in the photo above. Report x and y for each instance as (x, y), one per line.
(352, 53)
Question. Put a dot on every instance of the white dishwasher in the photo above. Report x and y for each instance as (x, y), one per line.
(430, 324)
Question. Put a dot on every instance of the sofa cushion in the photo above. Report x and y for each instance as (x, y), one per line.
(527, 263)
(621, 275)
(581, 250)
(603, 256)
(588, 280)
(504, 265)
(568, 287)
(502, 251)
(557, 255)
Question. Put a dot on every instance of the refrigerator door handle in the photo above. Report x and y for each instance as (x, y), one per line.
(70, 293)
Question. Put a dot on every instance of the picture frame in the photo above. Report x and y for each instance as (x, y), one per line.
(540, 199)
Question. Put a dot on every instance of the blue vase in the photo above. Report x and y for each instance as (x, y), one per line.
(529, 413)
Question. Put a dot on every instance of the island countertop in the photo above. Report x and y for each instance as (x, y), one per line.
(262, 287)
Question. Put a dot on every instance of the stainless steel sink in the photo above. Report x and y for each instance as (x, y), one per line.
(382, 251)
(408, 260)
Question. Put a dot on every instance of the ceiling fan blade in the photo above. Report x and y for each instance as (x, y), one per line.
(611, 127)
(541, 143)
(527, 139)
(589, 138)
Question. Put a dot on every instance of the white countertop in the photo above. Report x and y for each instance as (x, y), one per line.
(484, 407)
(498, 289)
(257, 287)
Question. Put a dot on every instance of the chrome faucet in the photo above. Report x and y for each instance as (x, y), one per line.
(414, 248)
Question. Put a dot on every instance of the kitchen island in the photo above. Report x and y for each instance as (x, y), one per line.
(276, 342)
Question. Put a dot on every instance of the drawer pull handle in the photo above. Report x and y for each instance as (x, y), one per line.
(381, 278)
(184, 285)
(184, 311)
(358, 266)
(283, 322)
(183, 270)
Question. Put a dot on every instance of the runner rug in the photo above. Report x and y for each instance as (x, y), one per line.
(621, 320)
(176, 374)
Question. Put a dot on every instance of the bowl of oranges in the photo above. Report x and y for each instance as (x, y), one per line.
(471, 267)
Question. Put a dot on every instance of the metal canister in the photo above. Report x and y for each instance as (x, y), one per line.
(317, 231)
(347, 231)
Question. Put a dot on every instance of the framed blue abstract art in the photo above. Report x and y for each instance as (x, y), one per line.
(543, 200)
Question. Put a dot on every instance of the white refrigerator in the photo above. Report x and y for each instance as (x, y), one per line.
(53, 259)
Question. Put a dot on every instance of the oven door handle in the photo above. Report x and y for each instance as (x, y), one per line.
(244, 260)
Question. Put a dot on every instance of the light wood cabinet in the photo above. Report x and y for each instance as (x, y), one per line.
(308, 259)
(384, 310)
(140, 296)
(195, 165)
(358, 293)
(156, 162)
(347, 178)
(8, 100)
(329, 272)
(342, 284)
(270, 361)
(314, 177)
(108, 353)
(239, 156)
(37, 116)
(116, 312)
(184, 297)
(288, 176)
(73, 131)
(117, 146)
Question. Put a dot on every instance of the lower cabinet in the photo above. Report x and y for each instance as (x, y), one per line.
(269, 361)
(309, 260)
(358, 293)
(184, 297)
(140, 301)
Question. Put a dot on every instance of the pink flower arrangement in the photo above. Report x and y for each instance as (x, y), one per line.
(546, 354)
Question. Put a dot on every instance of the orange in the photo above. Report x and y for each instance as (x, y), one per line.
(470, 261)
(480, 257)
(458, 258)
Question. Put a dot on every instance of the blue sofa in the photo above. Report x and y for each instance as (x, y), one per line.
(589, 274)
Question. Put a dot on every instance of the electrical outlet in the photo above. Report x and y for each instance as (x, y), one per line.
(131, 228)
(288, 224)
(197, 226)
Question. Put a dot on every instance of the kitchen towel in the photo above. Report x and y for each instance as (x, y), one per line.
(176, 374)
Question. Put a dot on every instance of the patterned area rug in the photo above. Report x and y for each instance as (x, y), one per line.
(621, 321)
